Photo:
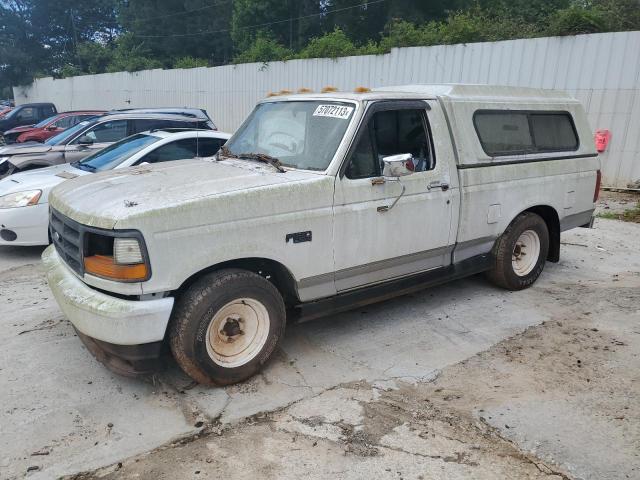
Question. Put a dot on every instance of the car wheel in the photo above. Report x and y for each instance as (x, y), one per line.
(520, 253)
(226, 326)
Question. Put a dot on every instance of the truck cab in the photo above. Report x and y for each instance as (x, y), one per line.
(317, 203)
(27, 114)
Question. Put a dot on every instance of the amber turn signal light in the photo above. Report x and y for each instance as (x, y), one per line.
(104, 266)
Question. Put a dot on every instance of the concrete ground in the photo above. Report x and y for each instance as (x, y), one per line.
(459, 381)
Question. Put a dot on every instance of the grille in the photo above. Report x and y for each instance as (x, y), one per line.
(65, 235)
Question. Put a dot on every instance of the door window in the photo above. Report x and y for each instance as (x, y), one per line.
(26, 114)
(208, 147)
(46, 111)
(391, 132)
(107, 132)
(178, 150)
(363, 162)
(64, 122)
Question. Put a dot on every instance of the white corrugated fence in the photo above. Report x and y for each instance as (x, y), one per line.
(601, 70)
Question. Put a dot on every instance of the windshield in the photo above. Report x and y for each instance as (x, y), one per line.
(303, 134)
(115, 154)
(44, 122)
(62, 137)
(12, 113)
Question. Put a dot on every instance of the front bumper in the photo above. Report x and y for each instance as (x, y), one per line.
(28, 225)
(127, 360)
(103, 317)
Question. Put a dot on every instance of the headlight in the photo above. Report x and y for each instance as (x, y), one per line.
(20, 199)
(126, 251)
(116, 258)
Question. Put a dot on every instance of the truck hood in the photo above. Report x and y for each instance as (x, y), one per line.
(106, 198)
(40, 179)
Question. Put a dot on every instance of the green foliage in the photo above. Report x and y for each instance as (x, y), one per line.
(190, 62)
(576, 20)
(67, 37)
(477, 25)
(332, 45)
(474, 25)
(167, 28)
(94, 57)
(400, 33)
(263, 49)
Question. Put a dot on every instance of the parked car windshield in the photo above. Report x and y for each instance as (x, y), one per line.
(12, 113)
(65, 135)
(44, 122)
(113, 155)
(300, 134)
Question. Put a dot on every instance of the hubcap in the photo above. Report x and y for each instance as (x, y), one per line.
(525, 253)
(237, 332)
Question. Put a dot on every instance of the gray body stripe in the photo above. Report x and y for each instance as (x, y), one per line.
(576, 220)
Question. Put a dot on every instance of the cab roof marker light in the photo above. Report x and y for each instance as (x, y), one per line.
(362, 90)
(272, 94)
(305, 90)
(285, 92)
(329, 89)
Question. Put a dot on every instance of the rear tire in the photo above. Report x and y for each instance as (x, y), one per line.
(520, 253)
(226, 326)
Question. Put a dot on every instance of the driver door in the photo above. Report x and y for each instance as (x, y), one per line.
(373, 242)
(103, 134)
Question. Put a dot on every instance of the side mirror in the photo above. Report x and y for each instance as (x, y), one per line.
(85, 140)
(398, 165)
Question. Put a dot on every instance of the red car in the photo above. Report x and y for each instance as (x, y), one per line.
(4, 110)
(48, 127)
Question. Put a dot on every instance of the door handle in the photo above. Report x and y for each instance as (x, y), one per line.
(437, 184)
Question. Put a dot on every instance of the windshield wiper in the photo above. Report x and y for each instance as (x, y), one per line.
(226, 153)
(261, 157)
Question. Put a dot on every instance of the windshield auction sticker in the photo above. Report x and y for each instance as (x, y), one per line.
(333, 111)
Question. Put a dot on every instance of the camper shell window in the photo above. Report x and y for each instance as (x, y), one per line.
(519, 132)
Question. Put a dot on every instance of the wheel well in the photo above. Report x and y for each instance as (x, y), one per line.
(273, 271)
(550, 217)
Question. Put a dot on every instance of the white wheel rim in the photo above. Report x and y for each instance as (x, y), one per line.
(525, 253)
(237, 332)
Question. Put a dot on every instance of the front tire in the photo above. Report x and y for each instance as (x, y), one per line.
(520, 253)
(226, 326)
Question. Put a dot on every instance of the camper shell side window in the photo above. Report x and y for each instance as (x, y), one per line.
(521, 132)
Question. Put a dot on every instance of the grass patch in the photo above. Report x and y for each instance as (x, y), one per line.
(629, 215)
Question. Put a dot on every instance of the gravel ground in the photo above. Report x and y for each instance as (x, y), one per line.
(616, 202)
(459, 381)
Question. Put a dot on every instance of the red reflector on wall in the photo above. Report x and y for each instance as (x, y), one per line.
(602, 138)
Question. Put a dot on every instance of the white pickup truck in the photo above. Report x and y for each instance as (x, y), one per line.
(318, 202)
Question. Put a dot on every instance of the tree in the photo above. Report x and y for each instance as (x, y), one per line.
(290, 23)
(22, 55)
(174, 29)
(331, 45)
(263, 49)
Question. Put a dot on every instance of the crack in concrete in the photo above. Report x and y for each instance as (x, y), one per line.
(541, 465)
